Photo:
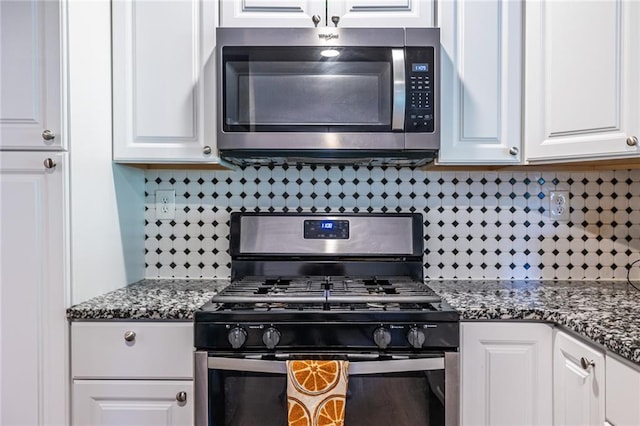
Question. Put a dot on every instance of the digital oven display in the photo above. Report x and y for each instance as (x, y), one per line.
(326, 229)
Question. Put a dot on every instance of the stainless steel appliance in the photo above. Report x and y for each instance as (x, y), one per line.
(328, 95)
(327, 286)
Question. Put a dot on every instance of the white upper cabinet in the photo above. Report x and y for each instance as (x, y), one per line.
(350, 13)
(30, 82)
(481, 74)
(582, 88)
(164, 81)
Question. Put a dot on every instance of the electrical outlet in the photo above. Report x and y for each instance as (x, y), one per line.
(559, 205)
(165, 204)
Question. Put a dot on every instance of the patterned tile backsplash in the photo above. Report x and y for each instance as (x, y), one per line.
(477, 225)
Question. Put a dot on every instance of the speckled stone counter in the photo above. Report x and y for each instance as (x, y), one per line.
(149, 300)
(607, 313)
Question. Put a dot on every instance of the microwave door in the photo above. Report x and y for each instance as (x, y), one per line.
(312, 90)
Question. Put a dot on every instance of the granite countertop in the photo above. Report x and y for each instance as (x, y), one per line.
(607, 313)
(149, 300)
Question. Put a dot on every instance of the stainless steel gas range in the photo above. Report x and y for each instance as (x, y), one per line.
(327, 286)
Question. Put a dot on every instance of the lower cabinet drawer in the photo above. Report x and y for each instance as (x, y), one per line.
(132, 402)
(132, 350)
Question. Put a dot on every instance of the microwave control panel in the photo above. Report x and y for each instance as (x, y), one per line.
(420, 70)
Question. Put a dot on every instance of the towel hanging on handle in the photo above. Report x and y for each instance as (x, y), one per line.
(316, 392)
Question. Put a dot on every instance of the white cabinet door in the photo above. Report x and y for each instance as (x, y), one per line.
(481, 74)
(33, 295)
(578, 382)
(582, 88)
(271, 13)
(132, 403)
(351, 13)
(30, 76)
(163, 81)
(377, 14)
(505, 374)
(622, 394)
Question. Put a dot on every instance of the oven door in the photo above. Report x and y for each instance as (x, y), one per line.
(399, 391)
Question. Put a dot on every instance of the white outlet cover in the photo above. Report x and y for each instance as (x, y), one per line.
(559, 206)
(165, 204)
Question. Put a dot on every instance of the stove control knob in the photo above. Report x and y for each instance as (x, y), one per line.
(271, 337)
(382, 337)
(416, 337)
(237, 336)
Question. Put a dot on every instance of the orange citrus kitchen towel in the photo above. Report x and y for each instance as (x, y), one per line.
(316, 392)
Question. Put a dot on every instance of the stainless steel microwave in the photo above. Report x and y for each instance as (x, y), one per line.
(366, 96)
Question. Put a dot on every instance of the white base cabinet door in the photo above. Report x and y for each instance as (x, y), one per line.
(582, 88)
(30, 83)
(505, 374)
(481, 74)
(34, 294)
(622, 393)
(349, 13)
(164, 81)
(132, 403)
(578, 382)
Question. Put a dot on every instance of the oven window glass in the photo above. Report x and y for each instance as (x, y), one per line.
(399, 399)
(289, 88)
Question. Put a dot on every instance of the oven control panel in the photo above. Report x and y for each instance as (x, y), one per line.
(326, 229)
(276, 336)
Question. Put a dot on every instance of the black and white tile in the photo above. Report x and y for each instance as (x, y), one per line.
(478, 225)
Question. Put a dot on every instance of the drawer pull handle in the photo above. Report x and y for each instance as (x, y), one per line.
(130, 336)
(585, 363)
(181, 396)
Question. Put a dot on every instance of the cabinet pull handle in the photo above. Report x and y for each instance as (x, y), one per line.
(48, 135)
(632, 141)
(316, 19)
(335, 19)
(49, 163)
(181, 396)
(130, 336)
(585, 363)
(514, 150)
(206, 150)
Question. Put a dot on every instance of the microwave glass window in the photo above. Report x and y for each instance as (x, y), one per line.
(280, 88)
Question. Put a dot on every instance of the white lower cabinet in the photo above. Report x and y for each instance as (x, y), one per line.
(34, 292)
(132, 403)
(506, 373)
(578, 382)
(129, 373)
(622, 391)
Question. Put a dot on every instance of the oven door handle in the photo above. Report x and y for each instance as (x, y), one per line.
(355, 368)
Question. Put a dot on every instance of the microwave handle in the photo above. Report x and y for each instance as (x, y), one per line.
(399, 89)
(355, 368)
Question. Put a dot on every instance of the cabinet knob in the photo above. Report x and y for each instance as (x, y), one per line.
(514, 150)
(181, 396)
(632, 141)
(585, 363)
(206, 150)
(48, 135)
(130, 336)
(49, 163)
(335, 19)
(316, 20)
